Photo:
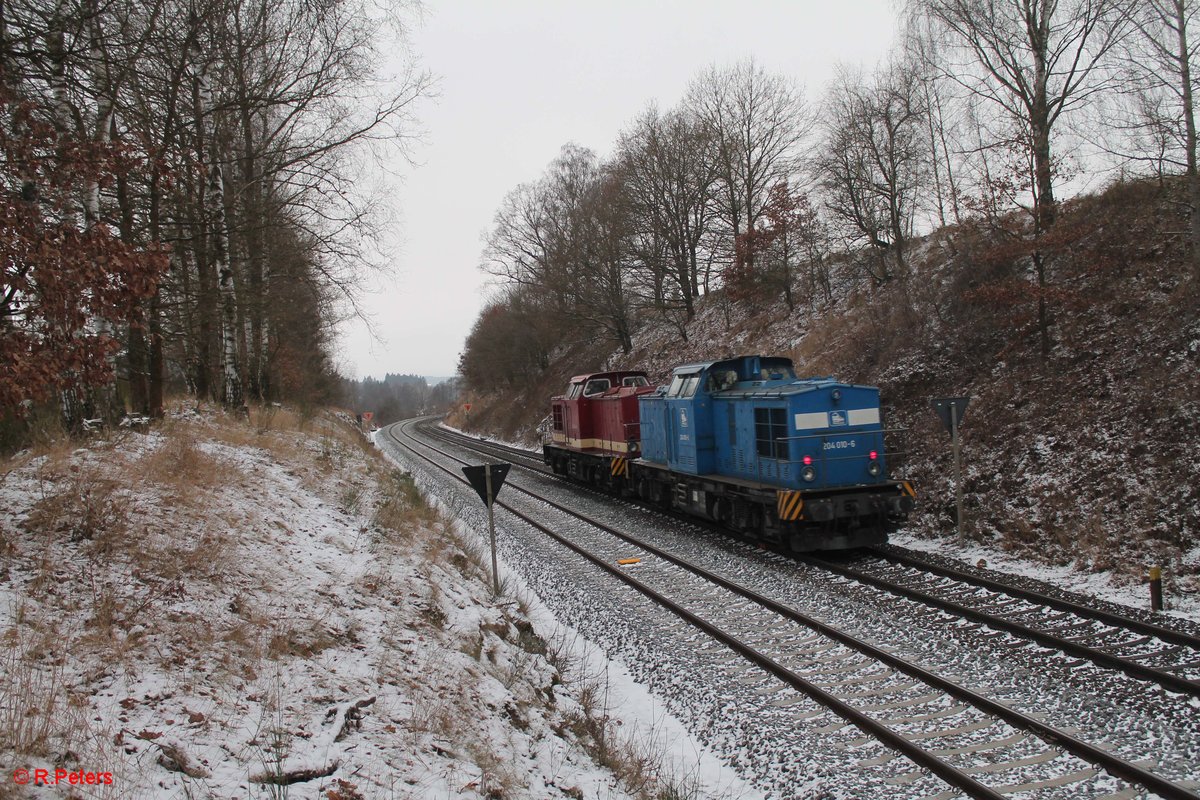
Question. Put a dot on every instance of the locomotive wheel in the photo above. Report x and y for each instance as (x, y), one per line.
(747, 518)
(721, 510)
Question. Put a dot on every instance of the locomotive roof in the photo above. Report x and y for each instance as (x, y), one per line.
(778, 389)
(784, 386)
(700, 366)
(627, 373)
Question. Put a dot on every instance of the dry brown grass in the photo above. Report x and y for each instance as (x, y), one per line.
(181, 461)
(304, 640)
(401, 508)
(38, 712)
(637, 762)
(80, 503)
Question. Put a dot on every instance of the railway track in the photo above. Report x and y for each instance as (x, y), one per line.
(1154, 653)
(1168, 658)
(980, 746)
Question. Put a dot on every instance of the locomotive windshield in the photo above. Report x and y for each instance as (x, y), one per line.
(684, 385)
(596, 386)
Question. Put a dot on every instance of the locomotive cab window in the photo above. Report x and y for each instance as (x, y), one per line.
(635, 380)
(596, 386)
(770, 429)
(777, 369)
(576, 390)
(676, 386)
(558, 417)
(689, 385)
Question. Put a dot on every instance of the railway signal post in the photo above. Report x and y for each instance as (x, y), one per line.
(951, 410)
(487, 480)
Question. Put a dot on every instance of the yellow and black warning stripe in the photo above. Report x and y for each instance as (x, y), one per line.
(907, 488)
(788, 505)
(619, 467)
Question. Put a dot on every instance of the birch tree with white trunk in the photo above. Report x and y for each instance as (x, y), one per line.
(209, 156)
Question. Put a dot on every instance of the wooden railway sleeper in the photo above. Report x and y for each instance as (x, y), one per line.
(1138, 642)
(1167, 652)
(942, 713)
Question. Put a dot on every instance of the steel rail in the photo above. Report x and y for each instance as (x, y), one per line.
(1160, 676)
(1107, 617)
(1166, 680)
(1055, 736)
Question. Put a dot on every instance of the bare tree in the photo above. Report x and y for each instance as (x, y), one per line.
(216, 230)
(564, 241)
(669, 187)
(874, 162)
(922, 55)
(1034, 61)
(1160, 64)
(756, 122)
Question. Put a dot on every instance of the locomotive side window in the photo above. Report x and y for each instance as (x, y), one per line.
(558, 417)
(777, 369)
(770, 428)
(676, 386)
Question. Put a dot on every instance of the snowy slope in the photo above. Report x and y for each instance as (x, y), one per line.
(214, 608)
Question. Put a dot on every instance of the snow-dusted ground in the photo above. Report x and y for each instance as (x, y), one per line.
(207, 608)
(1100, 585)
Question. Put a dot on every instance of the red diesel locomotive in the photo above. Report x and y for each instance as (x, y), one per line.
(594, 427)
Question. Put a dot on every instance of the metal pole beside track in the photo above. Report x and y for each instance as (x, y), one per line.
(958, 512)
(487, 476)
(952, 410)
(487, 480)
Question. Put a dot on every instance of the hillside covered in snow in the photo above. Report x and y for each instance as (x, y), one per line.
(219, 608)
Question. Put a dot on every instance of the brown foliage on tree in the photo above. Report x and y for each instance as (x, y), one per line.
(60, 285)
(767, 259)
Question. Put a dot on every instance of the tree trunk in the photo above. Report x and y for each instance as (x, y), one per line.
(74, 401)
(138, 357)
(231, 382)
(154, 377)
(252, 197)
(1045, 212)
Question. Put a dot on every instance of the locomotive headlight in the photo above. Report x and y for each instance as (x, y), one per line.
(809, 474)
(873, 468)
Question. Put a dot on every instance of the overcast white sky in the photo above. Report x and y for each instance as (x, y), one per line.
(520, 78)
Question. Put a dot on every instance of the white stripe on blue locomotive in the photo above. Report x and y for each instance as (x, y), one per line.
(819, 420)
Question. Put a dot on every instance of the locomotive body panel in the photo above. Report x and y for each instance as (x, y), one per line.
(598, 413)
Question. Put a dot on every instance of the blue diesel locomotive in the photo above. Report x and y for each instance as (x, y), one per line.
(744, 443)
